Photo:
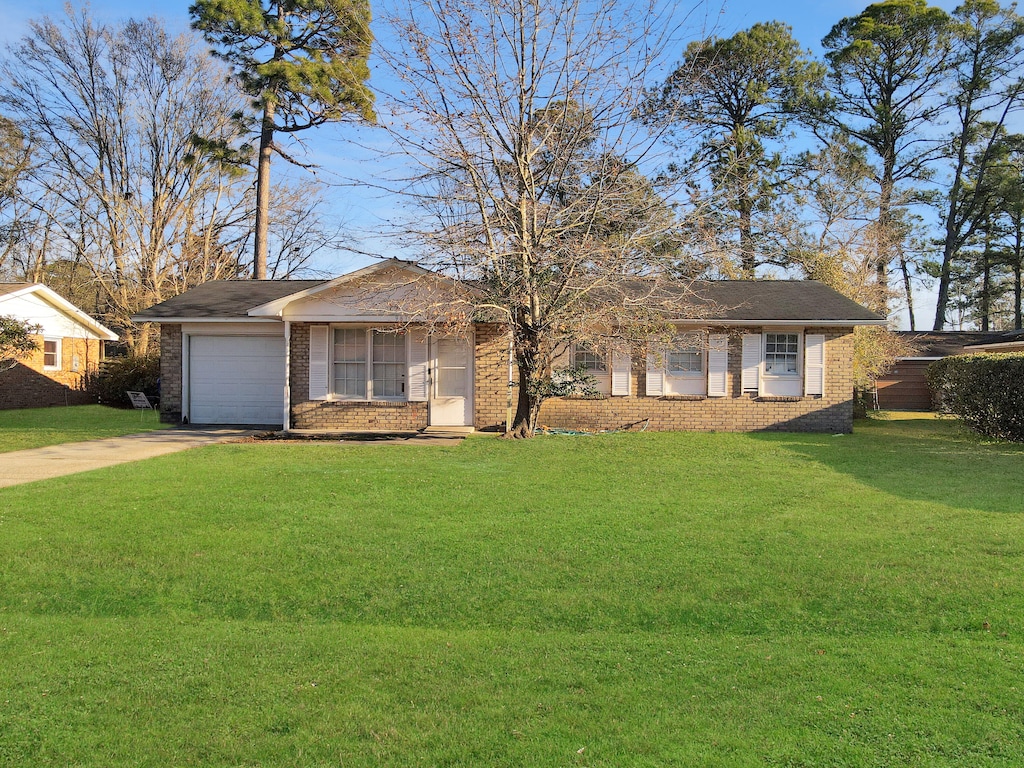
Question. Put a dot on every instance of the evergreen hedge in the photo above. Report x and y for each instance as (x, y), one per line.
(120, 374)
(985, 390)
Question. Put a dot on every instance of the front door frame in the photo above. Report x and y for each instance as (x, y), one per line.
(441, 411)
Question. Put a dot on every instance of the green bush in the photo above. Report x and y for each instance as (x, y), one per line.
(986, 391)
(139, 374)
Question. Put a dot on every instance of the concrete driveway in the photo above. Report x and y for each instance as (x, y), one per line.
(33, 464)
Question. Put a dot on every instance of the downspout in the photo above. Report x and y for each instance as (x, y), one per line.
(287, 375)
(511, 384)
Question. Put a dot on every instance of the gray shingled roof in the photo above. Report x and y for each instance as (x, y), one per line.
(945, 343)
(6, 288)
(224, 299)
(725, 300)
(763, 300)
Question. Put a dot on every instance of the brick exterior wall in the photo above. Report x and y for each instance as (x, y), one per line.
(340, 414)
(27, 385)
(170, 373)
(490, 386)
(833, 412)
(739, 412)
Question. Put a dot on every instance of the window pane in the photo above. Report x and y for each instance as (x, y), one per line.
(451, 382)
(781, 352)
(687, 360)
(452, 368)
(589, 360)
(350, 362)
(349, 345)
(388, 364)
(50, 354)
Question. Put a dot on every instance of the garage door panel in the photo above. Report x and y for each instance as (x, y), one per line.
(236, 379)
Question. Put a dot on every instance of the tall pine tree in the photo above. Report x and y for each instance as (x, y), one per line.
(304, 64)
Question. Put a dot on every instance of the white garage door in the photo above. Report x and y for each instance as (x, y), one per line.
(236, 379)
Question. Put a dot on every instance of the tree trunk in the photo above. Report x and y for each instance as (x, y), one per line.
(528, 402)
(259, 265)
(907, 289)
(1017, 298)
(1018, 267)
(886, 236)
(748, 259)
(985, 304)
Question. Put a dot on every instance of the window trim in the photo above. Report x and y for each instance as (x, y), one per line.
(788, 376)
(57, 353)
(368, 395)
(588, 349)
(691, 344)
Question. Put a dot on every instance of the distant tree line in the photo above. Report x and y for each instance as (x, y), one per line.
(134, 165)
(895, 160)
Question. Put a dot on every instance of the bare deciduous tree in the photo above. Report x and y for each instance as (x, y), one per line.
(522, 116)
(115, 181)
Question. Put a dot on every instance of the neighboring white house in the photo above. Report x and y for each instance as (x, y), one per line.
(70, 346)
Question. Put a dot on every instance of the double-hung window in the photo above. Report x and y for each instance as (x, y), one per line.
(51, 354)
(590, 360)
(684, 361)
(369, 364)
(782, 354)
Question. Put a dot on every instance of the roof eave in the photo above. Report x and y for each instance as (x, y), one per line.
(142, 318)
(845, 323)
(276, 307)
(988, 347)
(64, 305)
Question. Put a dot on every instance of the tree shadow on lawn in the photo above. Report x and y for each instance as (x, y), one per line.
(919, 457)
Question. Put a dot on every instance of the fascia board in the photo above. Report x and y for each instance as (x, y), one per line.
(147, 319)
(276, 307)
(988, 347)
(815, 323)
(59, 302)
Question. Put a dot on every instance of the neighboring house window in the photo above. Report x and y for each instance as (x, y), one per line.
(51, 354)
(781, 354)
(368, 364)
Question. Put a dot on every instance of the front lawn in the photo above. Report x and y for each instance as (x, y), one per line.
(38, 427)
(623, 600)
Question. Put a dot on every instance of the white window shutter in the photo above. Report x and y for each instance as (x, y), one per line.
(718, 365)
(655, 374)
(751, 361)
(417, 378)
(814, 364)
(621, 368)
(319, 362)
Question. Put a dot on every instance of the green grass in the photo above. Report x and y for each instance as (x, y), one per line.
(623, 600)
(38, 427)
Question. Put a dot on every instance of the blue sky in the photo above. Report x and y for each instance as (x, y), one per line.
(364, 211)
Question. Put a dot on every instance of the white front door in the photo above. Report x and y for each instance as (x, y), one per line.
(451, 386)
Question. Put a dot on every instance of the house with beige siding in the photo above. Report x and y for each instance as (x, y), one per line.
(69, 348)
(321, 355)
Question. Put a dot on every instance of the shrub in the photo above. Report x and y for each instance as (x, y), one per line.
(139, 374)
(986, 391)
